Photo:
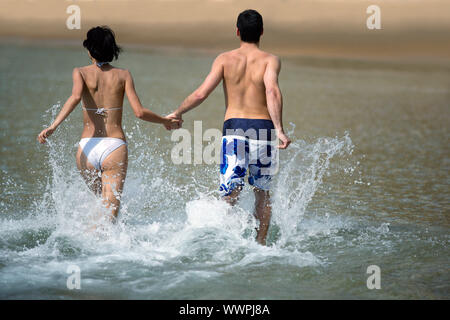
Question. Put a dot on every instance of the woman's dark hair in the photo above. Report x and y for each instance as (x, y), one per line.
(250, 25)
(101, 43)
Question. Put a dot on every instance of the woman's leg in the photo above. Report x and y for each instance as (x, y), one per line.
(90, 175)
(114, 171)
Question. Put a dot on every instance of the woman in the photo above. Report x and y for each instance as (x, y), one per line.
(102, 156)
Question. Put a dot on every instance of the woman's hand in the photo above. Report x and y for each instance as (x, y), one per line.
(176, 121)
(42, 137)
(171, 123)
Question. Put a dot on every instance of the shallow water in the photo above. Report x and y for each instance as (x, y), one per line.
(365, 182)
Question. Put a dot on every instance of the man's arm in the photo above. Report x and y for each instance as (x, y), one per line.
(141, 112)
(68, 107)
(198, 96)
(275, 99)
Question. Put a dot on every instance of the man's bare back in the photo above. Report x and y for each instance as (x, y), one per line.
(250, 82)
(243, 82)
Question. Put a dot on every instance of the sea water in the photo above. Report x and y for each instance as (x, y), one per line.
(365, 182)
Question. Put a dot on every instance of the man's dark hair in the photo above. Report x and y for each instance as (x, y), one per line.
(250, 25)
(101, 43)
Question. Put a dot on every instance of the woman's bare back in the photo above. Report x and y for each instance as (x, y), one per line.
(104, 88)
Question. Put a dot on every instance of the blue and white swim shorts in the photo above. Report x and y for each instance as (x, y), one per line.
(248, 145)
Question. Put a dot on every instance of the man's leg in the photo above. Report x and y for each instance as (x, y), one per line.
(233, 197)
(233, 167)
(263, 212)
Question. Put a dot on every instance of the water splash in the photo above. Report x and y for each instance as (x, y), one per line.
(300, 178)
(169, 218)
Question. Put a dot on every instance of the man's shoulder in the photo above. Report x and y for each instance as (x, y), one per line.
(268, 58)
(226, 58)
(271, 57)
(235, 55)
(273, 62)
(227, 54)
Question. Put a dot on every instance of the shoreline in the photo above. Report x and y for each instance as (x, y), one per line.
(302, 58)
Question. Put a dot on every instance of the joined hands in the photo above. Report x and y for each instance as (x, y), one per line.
(174, 121)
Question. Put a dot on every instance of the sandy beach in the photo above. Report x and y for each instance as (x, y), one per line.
(416, 30)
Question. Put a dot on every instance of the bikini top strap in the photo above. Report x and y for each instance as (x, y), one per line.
(106, 109)
(101, 111)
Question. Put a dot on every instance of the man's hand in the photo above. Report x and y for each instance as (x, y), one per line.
(175, 120)
(42, 137)
(172, 123)
(284, 140)
(175, 115)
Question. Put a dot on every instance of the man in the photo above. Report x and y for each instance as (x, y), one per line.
(253, 104)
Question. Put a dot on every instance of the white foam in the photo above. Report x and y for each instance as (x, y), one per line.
(182, 227)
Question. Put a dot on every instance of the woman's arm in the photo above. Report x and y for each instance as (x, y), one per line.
(144, 113)
(68, 107)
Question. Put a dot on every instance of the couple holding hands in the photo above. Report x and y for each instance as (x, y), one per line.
(253, 104)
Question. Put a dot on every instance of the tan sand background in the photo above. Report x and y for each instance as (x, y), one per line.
(411, 29)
